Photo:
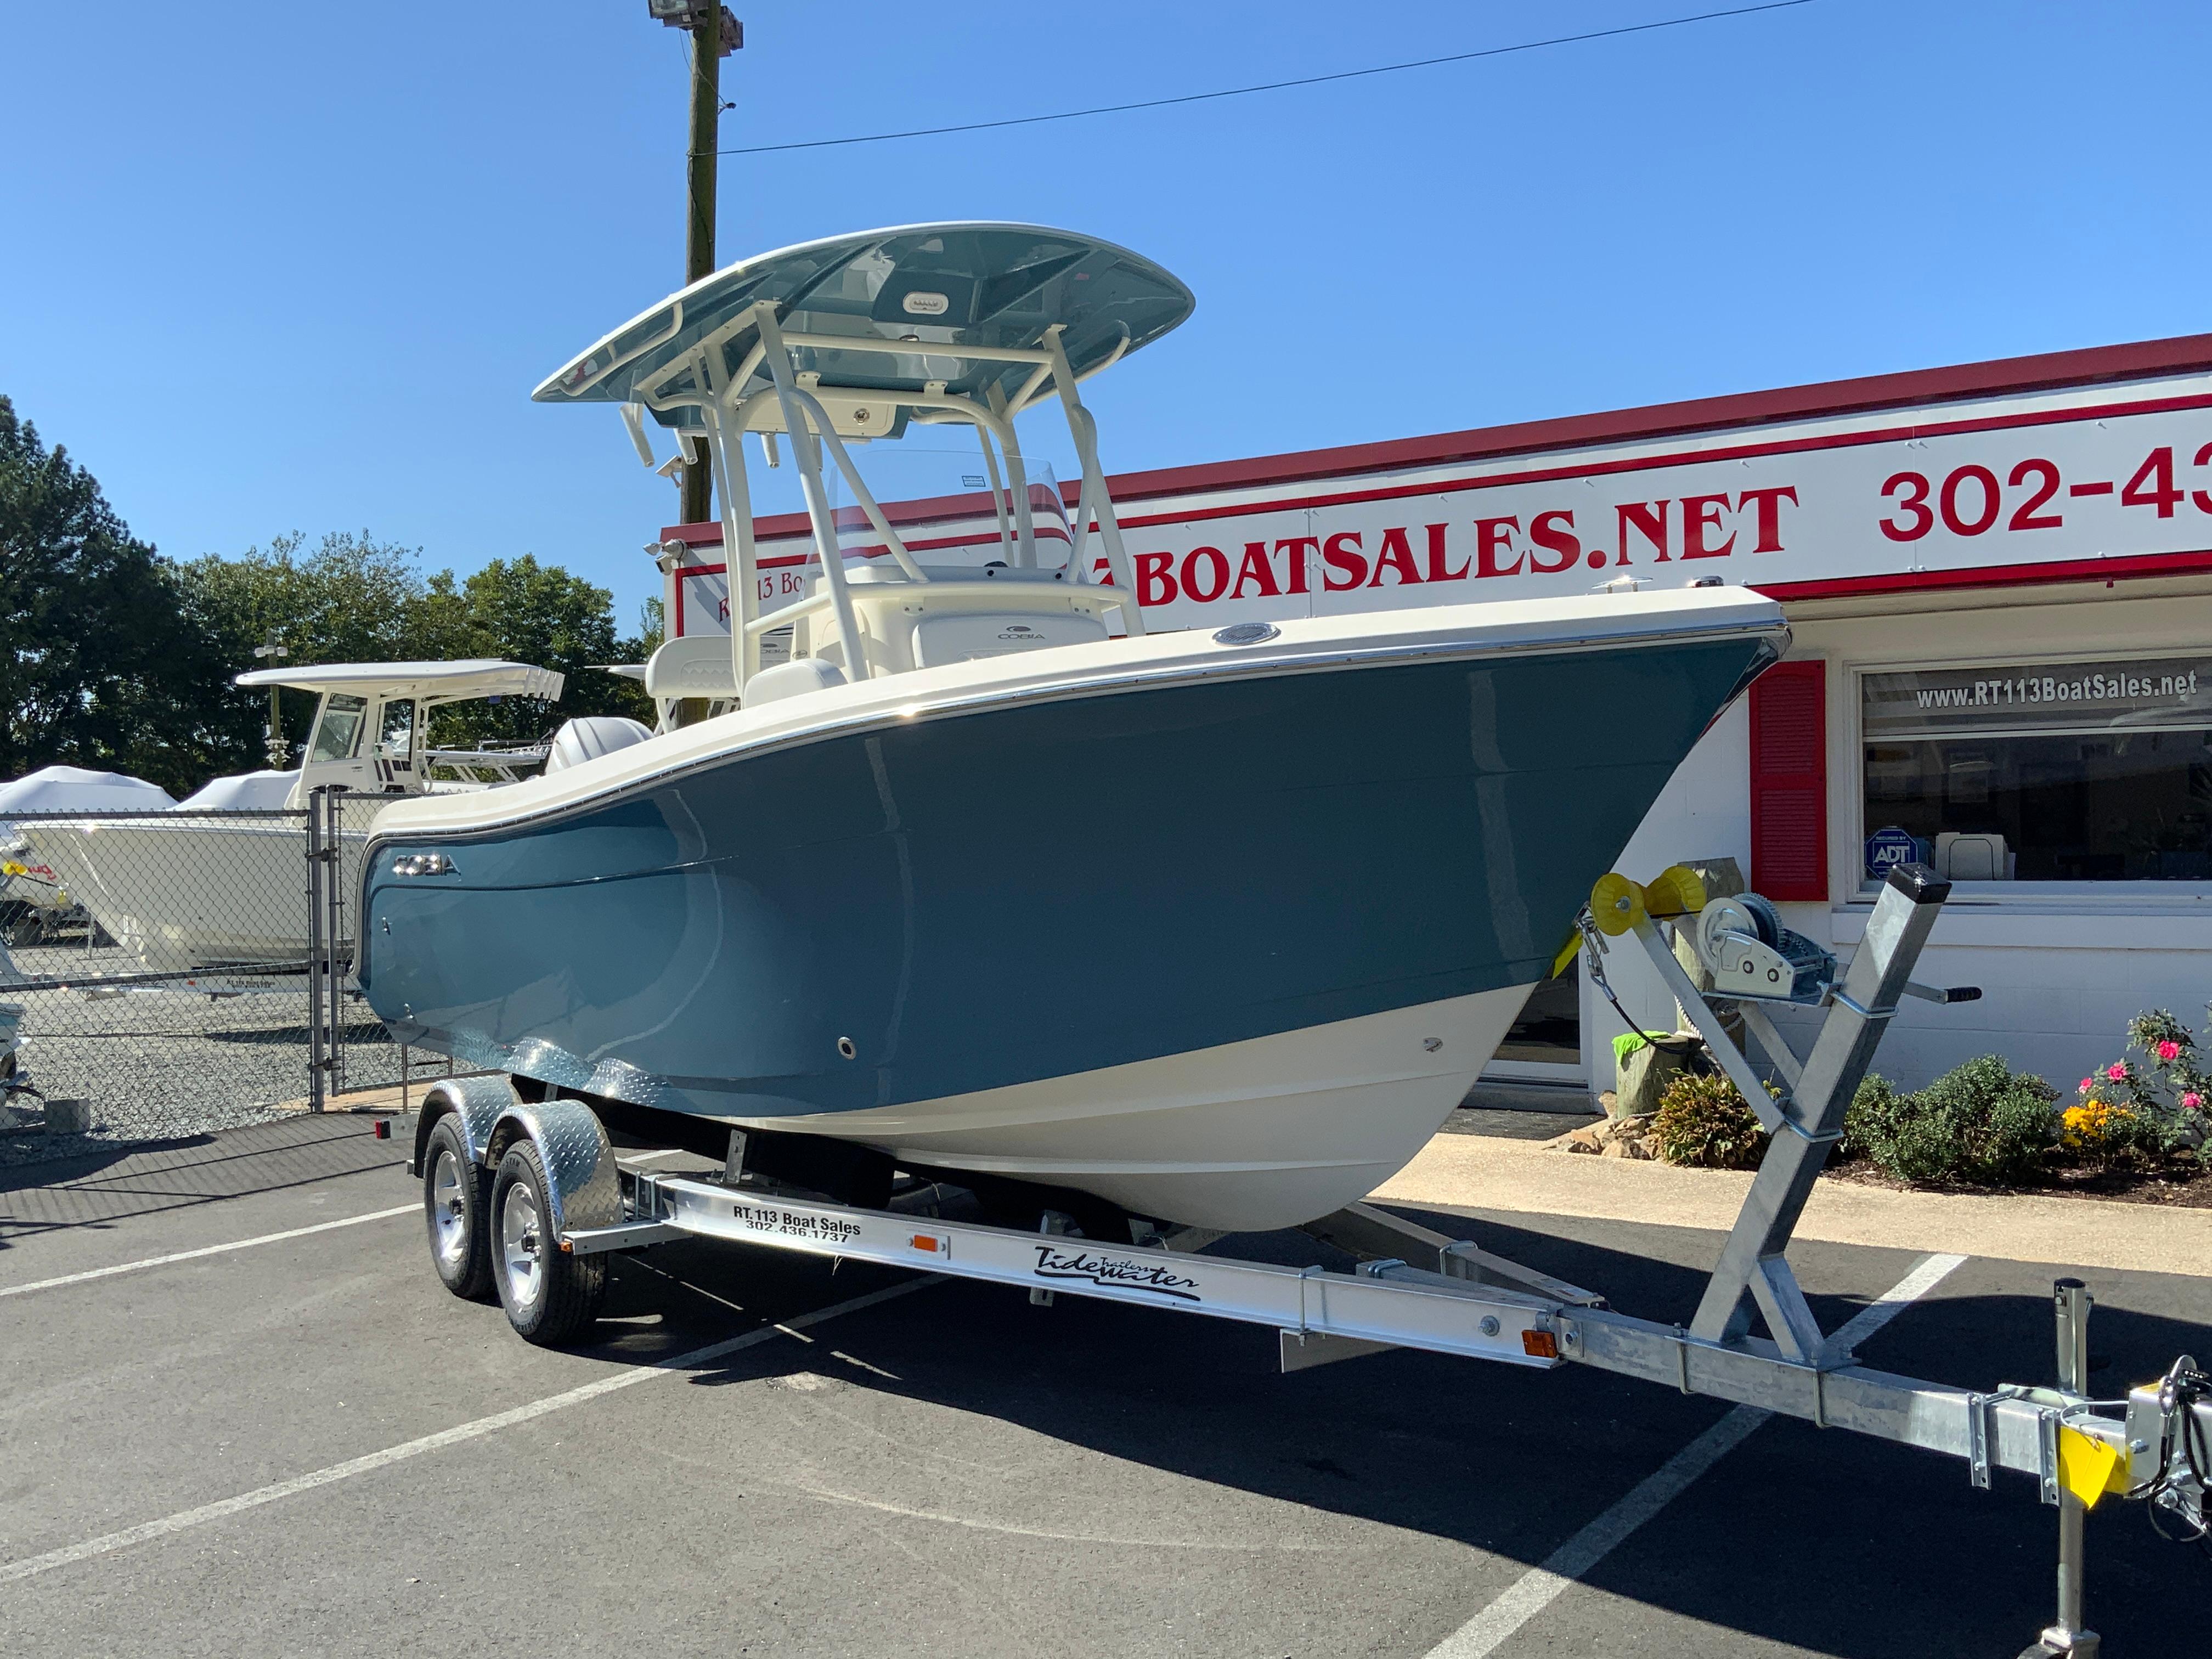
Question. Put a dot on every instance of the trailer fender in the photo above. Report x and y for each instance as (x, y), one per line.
(579, 1160)
(477, 1102)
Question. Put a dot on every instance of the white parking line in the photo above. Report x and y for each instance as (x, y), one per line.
(109, 1543)
(210, 1249)
(1538, 1587)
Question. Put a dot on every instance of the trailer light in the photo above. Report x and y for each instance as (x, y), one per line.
(1540, 1345)
(933, 1243)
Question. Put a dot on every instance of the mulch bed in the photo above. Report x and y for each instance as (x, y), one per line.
(2182, 1190)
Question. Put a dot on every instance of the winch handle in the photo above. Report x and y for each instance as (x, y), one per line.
(1943, 993)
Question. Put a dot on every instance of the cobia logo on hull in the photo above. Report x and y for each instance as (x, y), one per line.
(1098, 1268)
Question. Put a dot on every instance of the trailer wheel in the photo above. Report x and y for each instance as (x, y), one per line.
(457, 1205)
(550, 1298)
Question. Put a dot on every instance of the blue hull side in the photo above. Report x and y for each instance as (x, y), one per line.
(990, 897)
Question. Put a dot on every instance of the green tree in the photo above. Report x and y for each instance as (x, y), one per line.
(351, 598)
(536, 613)
(104, 660)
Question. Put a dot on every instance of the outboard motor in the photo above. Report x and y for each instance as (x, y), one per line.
(590, 736)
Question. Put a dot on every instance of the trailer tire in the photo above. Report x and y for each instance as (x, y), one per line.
(550, 1298)
(457, 1207)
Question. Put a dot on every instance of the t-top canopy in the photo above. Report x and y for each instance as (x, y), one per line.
(939, 286)
(428, 682)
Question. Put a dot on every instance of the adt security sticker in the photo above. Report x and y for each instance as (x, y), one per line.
(1887, 849)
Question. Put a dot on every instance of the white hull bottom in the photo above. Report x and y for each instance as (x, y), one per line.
(1263, 1134)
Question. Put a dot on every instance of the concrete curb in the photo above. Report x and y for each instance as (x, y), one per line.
(1481, 1172)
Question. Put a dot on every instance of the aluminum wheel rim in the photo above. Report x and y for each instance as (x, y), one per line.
(448, 1221)
(518, 1240)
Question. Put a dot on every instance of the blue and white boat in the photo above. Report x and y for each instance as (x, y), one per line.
(1216, 928)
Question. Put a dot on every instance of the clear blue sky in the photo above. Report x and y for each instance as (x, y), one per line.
(277, 267)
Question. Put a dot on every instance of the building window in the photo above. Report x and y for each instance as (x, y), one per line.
(2073, 772)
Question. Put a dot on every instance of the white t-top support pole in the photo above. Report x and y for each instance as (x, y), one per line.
(1094, 497)
(861, 493)
(1017, 482)
(998, 491)
(725, 444)
(808, 454)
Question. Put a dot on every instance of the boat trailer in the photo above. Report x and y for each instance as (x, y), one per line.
(546, 1252)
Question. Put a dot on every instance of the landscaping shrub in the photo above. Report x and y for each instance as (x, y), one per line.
(1983, 1123)
(2145, 1111)
(1704, 1123)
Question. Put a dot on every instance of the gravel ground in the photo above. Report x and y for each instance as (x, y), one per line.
(163, 1064)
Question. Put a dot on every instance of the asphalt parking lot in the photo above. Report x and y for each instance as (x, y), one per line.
(305, 1445)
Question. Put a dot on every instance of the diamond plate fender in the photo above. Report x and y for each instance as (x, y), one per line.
(476, 1100)
(580, 1162)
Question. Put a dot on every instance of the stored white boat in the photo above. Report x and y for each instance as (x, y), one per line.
(220, 880)
(33, 904)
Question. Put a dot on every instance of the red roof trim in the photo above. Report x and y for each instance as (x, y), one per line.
(2048, 371)
(2001, 575)
(2006, 376)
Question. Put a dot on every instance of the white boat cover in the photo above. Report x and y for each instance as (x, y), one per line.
(249, 792)
(75, 789)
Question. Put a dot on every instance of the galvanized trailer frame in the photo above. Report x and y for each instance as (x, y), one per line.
(1419, 1289)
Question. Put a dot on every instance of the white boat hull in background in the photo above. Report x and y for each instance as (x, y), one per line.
(183, 893)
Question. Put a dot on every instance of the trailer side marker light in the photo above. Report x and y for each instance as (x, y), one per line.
(2086, 1466)
(1540, 1345)
(931, 1243)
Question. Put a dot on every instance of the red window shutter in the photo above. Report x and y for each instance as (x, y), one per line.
(1789, 782)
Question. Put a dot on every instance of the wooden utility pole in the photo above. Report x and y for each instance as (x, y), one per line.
(714, 34)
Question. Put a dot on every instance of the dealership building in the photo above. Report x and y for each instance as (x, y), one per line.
(1999, 581)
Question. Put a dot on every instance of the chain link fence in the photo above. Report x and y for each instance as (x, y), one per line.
(166, 975)
(351, 1050)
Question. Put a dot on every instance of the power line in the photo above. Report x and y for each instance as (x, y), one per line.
(1273, 86)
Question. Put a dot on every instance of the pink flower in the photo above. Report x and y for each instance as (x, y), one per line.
(2087, 1083)
(2192, 1101)
(2117, 1071)
(2169, 1049)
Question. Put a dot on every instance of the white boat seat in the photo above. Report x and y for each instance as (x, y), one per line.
(691, 665)
(941, 639)
(790, 679)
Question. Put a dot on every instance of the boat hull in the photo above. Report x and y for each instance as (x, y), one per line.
(186, 894)
(1266, 1133)
(1186, 946)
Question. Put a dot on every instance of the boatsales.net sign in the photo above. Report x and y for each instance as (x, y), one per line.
(2113, 478)
(1909, 501)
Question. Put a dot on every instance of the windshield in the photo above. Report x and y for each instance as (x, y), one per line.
(339, 728)
(397, 720)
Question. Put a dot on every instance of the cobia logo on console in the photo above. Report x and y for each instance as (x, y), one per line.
(1100, 1269)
